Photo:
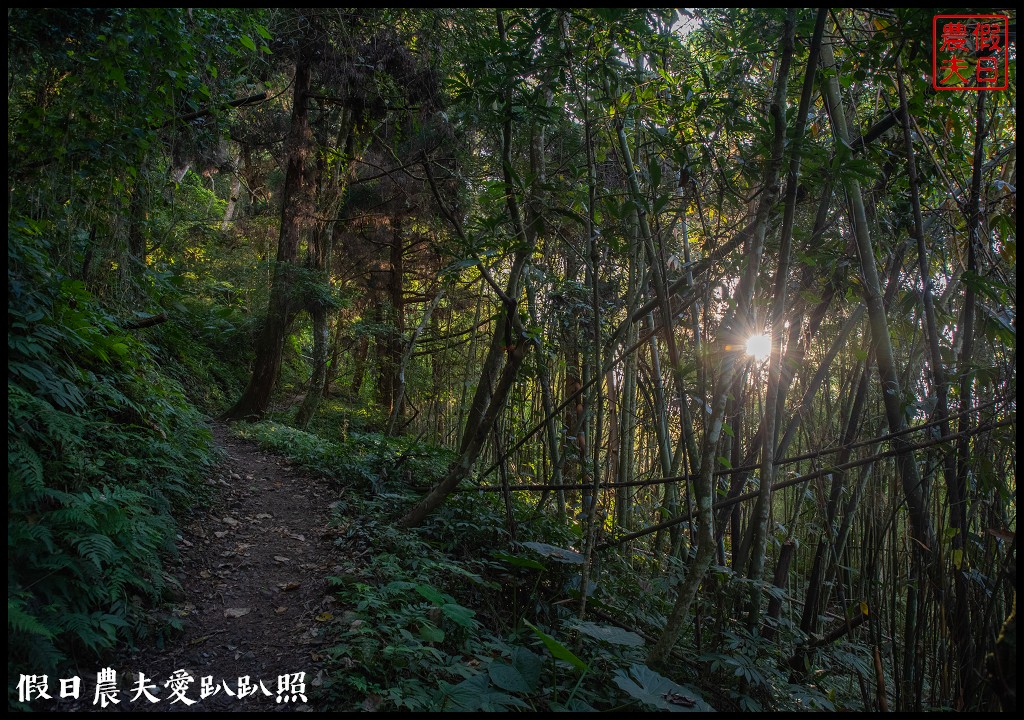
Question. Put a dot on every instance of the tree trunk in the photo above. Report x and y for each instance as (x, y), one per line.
(296, 217)
(362, 353)
(318, 379)
(461, 467)
(403, 362)
(548, 404)
(508, 336)
(773, 402)
(958, 488)
(391, 355)
(704, 484)
(913, 489)
(236, 188)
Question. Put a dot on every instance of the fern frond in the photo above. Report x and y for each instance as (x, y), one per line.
(19, 620)
(98, 548)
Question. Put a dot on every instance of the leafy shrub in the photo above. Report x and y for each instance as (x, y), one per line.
(100, 447)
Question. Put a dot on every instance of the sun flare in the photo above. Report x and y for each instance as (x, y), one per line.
(759, 346)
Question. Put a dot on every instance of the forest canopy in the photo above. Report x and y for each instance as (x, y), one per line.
(655, 358)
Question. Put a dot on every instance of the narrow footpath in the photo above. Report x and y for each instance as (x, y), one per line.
(254, 602)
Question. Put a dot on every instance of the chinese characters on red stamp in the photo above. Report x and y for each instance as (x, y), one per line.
(970, 52)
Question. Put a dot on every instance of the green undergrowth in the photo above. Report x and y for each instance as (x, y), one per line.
(461, 617)
(349, 455)
(466, 613)
(478, 609)
(205, 347)
(101, 448)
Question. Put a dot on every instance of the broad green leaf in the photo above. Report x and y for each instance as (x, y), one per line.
(432, 594)
(573, 705)
(429, 633)
(476, 693)
(459, 615)
(609, 634)
(529, 665)
(508, 678)
(557, 649)
(247, 42)
(520, 561)
(563, 555)
(658, 691)
(654, 168)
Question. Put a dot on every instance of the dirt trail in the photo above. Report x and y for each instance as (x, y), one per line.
(254, 598)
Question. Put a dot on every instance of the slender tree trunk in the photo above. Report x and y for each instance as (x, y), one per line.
(913, 490)
(319, 250)
(828, 543)
(296, 217)
(338, 345)
(461, 467)
(704, 485)
(776, 319)
(548, 404)
(361, 354)
(703, 492)
(138, 209)
(318, 380)
(235, 189)
(627, 414)
(391, 357)
(509, 336)
(403, 363)
(967, 680)
(594, 364)
(940, 388)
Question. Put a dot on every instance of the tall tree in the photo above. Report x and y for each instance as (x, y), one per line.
(297, 219)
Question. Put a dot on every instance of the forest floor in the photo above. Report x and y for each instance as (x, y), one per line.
(254, 601)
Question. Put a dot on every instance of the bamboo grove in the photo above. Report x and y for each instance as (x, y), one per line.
(549, 241)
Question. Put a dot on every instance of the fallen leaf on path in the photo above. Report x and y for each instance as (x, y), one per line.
(281, 610)
(324, 617)
(264, 516)
(235, 612)
(301, 538)
(221, 533)
(282, 558)
(288, 586)
(229, 521)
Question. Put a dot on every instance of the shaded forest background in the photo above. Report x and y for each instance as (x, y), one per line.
(498, 270)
